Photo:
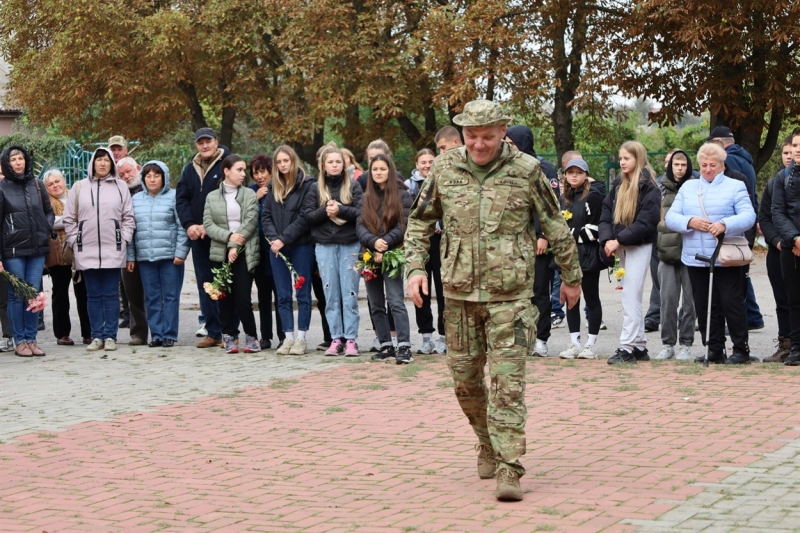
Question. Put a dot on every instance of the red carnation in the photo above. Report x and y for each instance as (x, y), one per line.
(300, 281)
(222, 295)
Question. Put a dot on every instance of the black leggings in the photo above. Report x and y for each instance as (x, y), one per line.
(239, 302)
(590, 286)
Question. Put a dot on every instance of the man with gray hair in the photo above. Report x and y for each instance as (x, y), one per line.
(132, 293)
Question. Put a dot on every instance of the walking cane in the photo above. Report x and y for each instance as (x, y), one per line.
(710, 260)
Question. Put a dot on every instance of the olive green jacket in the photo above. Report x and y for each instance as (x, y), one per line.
(215, 221)
(488, 243)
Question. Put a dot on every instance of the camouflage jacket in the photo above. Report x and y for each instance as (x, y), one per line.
(489, 242)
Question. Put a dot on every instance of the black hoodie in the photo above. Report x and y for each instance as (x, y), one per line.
(26, 215)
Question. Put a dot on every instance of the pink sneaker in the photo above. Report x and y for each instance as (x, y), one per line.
(335, 348)
(351, 349)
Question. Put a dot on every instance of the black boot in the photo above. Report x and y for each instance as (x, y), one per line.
(717, 358)
(738, 358)
(794, 356)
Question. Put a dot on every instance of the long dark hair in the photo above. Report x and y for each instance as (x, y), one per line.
(390, 211)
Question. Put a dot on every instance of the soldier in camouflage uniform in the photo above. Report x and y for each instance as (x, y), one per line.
(487, 194)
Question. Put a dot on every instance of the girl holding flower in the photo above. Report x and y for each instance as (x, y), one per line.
(583, 203)
(284, 226)
(628, 228)
(230, 219)
(381, 227)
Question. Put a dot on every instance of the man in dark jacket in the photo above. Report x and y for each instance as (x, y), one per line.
(521, 138)
(741, 161)
(199, 177)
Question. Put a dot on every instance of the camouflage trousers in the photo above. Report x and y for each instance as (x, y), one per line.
(497, 333)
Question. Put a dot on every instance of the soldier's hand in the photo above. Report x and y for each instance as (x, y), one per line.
(541, 246)
(418, 285)
(570, 295)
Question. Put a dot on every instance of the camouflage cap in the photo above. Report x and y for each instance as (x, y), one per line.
(117, 140)
(481, 113)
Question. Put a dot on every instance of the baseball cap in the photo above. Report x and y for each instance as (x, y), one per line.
(117, 140)
(577, 162)
(202, 133)
(720, 132)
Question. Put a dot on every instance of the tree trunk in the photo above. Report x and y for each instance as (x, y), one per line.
(567, 76)
(195, 110)
(226, 132)
(308, 152)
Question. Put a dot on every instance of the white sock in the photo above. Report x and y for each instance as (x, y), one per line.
(575, 338)
(394, 340)
(289, 335)
(592, 340)
(426, 337)
(301, 335)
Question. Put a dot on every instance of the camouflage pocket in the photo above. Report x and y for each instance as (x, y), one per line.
(454, 325)
(508, 268)
(456, 267)
(513, 325)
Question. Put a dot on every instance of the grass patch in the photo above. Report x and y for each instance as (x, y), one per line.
(47, 435)
(687, 391)
(626, 387)
(448, 383)
(409, 371)
(334, 409)
(550, 510)
(694, 369)
(282, 383)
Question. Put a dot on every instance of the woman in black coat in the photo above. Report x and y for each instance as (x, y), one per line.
(26, 222)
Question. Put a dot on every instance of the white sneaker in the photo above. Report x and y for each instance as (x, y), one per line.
(441, 346)
(96, 344)
(588, 352)
(110, 345)
(202, 332)
(571, 352)
(684, 353)
(667, 352)
(427, 347)
(540, 350)
(299, 347)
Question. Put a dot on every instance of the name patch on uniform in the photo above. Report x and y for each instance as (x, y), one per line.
(506, 181)
(454, 182)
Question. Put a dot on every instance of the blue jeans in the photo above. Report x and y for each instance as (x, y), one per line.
(336, 264)
(555, 297)
(201, 249)
(24, 324)
(301, 257)
(102, 294)
(162, 281)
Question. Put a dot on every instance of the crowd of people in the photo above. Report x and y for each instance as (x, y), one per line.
(122, 235)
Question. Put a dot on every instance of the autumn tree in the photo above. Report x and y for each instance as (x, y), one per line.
(737, 59)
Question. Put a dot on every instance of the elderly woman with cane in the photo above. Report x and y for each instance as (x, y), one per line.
(706, 210)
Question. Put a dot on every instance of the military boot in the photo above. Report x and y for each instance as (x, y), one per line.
(780, 355)
(508, 488)
(486, 461)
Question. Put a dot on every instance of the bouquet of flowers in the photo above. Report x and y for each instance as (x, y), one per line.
(367, 266)
(619, 273)
(391, 264)
(221, 284)
(297, 279)
(25, 291)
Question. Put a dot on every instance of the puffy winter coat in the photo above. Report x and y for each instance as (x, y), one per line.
(98, 219)
(786, 206)
(323, 229)
(725, 200)
(159, 234)
(286, 221)
(215, 221)
(26, 216)
(643, 230)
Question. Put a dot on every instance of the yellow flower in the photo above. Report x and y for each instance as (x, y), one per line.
(367, 256)
(567, 214)
(619, 273)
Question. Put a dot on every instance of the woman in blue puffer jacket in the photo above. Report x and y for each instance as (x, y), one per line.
(703, 209)
(160, 247)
